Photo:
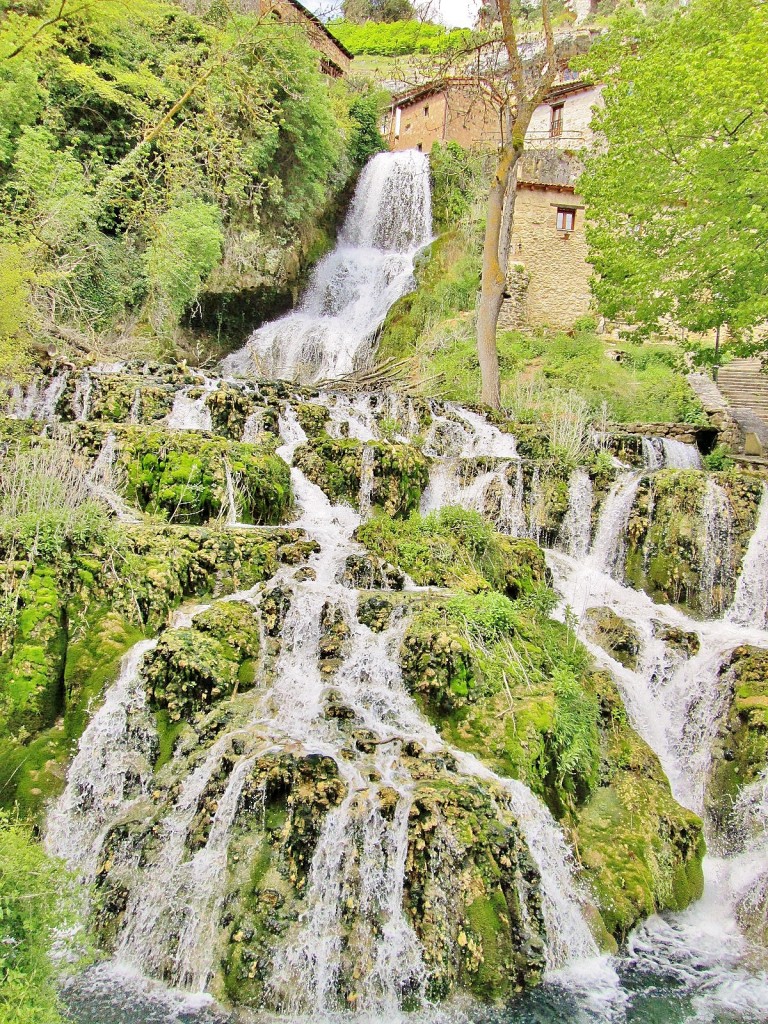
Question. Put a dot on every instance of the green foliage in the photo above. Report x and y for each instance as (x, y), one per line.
(115, 230)
(459, 183)
(718, 459)
(186, 247)
(366, 140)
(676, 195)
(38, 902)
(398, 38)
(455, 547)
(643, 383)
(15, 310)
(45, 501)
(448, 276)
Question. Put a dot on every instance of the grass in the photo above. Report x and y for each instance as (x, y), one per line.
(434, 327)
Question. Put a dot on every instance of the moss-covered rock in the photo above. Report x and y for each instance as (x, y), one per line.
(184, 478)
(513, 690)
(192, 668)
(32, 668)
(400, 471)
(740, 752)
(668, 547)
(473, 891)
(456, 548)
(615, 635)
(641, 851)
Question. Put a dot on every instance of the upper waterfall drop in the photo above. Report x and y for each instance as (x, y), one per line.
(353, 287)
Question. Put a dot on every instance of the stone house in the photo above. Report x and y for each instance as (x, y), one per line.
(548, 274)
(335, 58)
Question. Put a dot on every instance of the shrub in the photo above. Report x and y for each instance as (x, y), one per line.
(38, 903)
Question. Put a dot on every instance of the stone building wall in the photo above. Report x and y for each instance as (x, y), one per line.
(576, 118)
(555, 261)
(454, 113)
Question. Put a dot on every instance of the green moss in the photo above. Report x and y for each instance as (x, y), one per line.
(400, 471)
(32, 670)
(668, 542)
(181, 476)
(641, 851)
(740, 752)
(455, 548)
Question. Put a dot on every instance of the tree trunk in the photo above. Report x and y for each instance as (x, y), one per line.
(495, 249)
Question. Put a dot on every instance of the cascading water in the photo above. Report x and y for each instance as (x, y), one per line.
(609, 546)
(717, 549)
(332, 331)
(172, 875)
(679, 455)
(575, 532)
(750, 605)
(677, 703)
(190, 413)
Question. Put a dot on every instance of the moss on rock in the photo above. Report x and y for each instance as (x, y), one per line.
(400, 471)
(192, 668)
(740, 752)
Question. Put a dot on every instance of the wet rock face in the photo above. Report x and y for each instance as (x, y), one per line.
(190, 669)
(687, 535)
(400, 471)
(614, 635)
(334, 637)
(473, 892)
(367, 572)
(740, 753)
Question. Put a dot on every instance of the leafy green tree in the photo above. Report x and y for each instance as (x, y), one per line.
(677, 195)
(38, 901)
(111, 111)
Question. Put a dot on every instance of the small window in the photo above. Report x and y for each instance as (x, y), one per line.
(426, 111)
(556, 121)
(419, 147)
(566, 218)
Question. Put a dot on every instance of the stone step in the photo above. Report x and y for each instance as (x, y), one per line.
(745, 386)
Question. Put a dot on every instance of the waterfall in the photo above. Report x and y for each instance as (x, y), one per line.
(535, 506)
(367, 480)
(81, 402)
(231, 500)
(51, 396)
(135, 416)
(653, 453)
(113, 766)
(575, 532)
(351, 290)
(101, 480)
(609, 545)
(750, 605)
(190, 413)
(254, 426)
(678, 455)
(716, 549)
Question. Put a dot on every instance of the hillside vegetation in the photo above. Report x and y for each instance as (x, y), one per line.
(434, 327)
(398, 38)
(147, 154)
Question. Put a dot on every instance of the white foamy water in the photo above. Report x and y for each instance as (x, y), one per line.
(332, 331)
(750, 604)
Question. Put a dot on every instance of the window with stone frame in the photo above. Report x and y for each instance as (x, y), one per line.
(566, 218)
(556, 121)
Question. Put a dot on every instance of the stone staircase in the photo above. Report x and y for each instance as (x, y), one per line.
(745, 387)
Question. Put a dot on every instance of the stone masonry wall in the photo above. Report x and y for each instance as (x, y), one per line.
(455, 114)
(556, 261)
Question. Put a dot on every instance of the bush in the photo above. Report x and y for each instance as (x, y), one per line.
(38, 903)
(46, 500)
(397, 38)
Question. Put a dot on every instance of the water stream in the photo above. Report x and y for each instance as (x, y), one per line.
(693, 966)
